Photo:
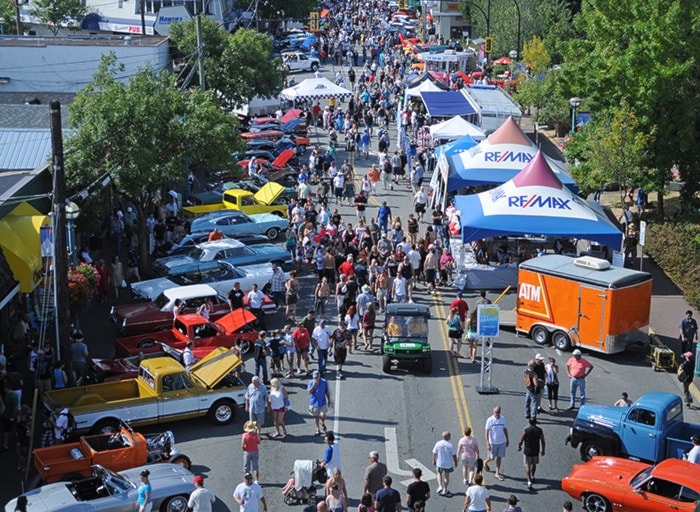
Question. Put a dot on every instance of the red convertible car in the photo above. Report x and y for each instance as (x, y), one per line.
(606, 484)
(230, 330)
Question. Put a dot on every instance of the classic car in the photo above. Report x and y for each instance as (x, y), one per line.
(607, 484)
(265, 200)
(108, 491)
(205, 256)
(227, 332)
(125, 449)
(163, 392)
(120, 368)
(255, 183)
(235, 222)
(188, 242)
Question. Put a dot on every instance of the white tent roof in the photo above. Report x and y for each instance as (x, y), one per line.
(315, 88)
(424, 86)
(455, 128)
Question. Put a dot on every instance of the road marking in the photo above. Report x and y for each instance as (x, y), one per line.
(336, 405)
(391, 447)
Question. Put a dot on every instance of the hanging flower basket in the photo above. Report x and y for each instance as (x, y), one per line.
(83, 281)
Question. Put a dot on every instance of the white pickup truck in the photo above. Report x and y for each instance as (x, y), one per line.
(297, 61)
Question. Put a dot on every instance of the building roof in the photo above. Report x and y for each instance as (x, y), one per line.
(23, 149)
(29, 116)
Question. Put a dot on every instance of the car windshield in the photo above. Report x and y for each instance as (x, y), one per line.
(113, 482)
(162, 301)
(641, 477)
(407, 327)
(195, 253)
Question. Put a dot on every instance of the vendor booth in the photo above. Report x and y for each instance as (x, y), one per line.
(492, 104)
(455, 128)
(315, 89)
(447, 104)
(534, 207)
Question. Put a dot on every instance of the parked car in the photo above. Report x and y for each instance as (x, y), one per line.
(107, 491)
(205, 256)
(120, 368)
(227, 332)
(164, 391)
(235, 222)
(193, 239)
(651, 429)
(156, 314)
(298, 61)
(123, 450)
(605, 484)
(266, 200)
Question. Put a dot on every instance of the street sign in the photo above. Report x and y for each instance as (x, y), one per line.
(46, 239)
(487, 324)
(642, 232)
(314, 16)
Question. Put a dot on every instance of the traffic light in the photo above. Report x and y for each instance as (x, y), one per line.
(313, 21)
(488, 45)
(403, 5)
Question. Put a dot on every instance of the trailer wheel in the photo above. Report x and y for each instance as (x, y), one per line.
(539, 334)
(561, 341)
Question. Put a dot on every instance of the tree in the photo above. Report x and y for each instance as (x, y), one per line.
(547, 94)
(58, 14)
(9, 13)
(143, 133)
(536, 55)
(645, 54)
(238, 66)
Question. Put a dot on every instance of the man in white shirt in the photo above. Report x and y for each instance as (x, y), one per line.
(694, 453)
(248, 494)
(420, 200)
(398, 289)
(445, 461)
(187, 356)
(255, 300)
(321, 337)
(496, 440)
(201, 498)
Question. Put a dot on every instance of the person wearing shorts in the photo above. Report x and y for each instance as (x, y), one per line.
(468, 452)
(319, 400)
(532, 437)
(496, 433)
(250, 444)
(445, 461)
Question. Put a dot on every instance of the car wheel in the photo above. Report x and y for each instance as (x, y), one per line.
(428, 365)
(182, 460)
(106, 426)
(561, 341)
(146, 343)
(590, 449)
(539, 335)
(386, 364)
(596, 503)
(174, 504)
(272, 234)
(222, 412)
(314, 67)
(245, 347)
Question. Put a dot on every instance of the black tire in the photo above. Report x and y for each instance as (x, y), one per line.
(595, 503)
(539, 334)
(288, 500)
(245, 347)
(106, 426)
(72, 477)
(174, 504)
(272, 234)
(428, 365)
(590, 449)
(182, 460)
(314, 67)
(561, 341)
(222, 412)
(146, 343)
(386, 364)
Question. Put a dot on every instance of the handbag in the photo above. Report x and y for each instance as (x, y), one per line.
(682, 376)
(123, 283)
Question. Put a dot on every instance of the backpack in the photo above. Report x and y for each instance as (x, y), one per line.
(72, 425)
(529, 383)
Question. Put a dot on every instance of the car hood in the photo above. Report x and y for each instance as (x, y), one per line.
(135, 310)
(152, 288)
(268, 193)
(216, 366)
(159, 472)
(610, 470)
(284, 157)
(175, 261)
(47, 497)
(265, 217)
(235, 320)
(606, 415)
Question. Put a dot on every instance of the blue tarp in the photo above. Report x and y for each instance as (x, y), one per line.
(447, 104)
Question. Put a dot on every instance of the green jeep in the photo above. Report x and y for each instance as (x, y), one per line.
(405, 338)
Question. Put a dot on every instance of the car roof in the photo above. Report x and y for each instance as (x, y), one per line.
(224, 243)
(219, 214)
(405, 309)
(680, 471)
(189, 292)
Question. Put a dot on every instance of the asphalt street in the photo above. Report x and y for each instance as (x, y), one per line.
(402, 414)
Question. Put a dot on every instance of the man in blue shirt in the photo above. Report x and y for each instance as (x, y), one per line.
(319, 400)
(387, 499)
(383, 216)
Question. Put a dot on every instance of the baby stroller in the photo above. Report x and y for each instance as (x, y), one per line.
(301, 487)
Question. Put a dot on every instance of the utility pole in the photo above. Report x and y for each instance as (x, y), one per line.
(200, 52)
(143, 18)
(60, 258)
(18, 18)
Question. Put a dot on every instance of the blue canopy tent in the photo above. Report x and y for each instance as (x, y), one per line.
(447, 104)
(534, 202)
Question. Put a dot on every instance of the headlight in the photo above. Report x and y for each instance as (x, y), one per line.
(124, 324)
(388, 348)
(113, 311)
(426, 349)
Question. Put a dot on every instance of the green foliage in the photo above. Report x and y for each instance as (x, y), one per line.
(547, 95)
(58, 14)
(238, 66)
(675, 248)
(536, 55)
(7, 11)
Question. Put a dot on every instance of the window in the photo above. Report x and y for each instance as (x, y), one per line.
(235, 252)
(688, 495)
(643, 416)
(662, 488)
(175, 382)
(204, 331)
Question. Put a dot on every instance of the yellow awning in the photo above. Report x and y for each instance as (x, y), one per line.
(19, 240)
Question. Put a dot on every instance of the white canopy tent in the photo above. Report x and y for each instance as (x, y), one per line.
(315, 88)
(456, 128)
(424, 86)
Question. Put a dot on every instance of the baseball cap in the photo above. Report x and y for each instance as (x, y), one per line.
(688, 354)
(459, 293)
(248, 476)
(539, 357)
(577, 352)
(199, 480)
(315, 374)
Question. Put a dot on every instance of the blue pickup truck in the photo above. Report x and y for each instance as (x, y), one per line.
(651, 429)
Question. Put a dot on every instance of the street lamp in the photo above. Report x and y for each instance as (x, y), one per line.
(72, 214)
(2, 26)
(575, 102)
